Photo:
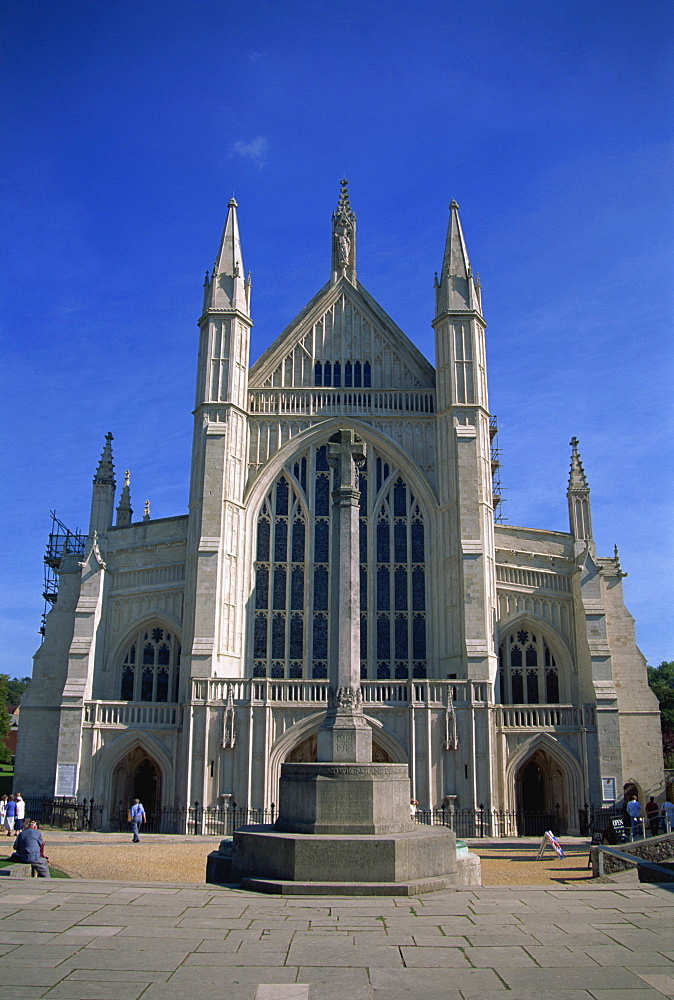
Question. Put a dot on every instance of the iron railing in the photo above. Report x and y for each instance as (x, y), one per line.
(483, 822)
(65, 813)
(221, 820)
(197, 819)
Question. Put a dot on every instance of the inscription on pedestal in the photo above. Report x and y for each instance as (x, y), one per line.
(345, 743)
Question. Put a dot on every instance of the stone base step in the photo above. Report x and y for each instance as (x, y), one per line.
(414, 888)
(16, 870)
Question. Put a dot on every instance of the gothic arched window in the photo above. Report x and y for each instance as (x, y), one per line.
(528, 673)
(292, 573)
(151, 666)
(278, 634)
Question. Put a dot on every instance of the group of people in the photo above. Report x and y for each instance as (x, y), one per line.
(12, 813)
(658, 818)
(29, 844)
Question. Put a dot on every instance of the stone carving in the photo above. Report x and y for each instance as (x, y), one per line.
(346, 698)
(343, 245)
(229, 723)
(451, 739)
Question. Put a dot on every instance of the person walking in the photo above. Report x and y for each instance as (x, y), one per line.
(667, 819)
(29, 845)
(653, 816)
(634, 812)
(20, 813)
(10, 815)
(3, 810)
(136, 818)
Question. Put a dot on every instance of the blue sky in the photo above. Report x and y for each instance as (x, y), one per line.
(126, 128)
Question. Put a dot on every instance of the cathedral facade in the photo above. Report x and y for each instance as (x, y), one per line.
(185, 658)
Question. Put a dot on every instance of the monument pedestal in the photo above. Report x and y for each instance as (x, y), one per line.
(345, 829)
(344, 799)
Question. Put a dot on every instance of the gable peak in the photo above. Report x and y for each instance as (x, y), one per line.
(343, 237)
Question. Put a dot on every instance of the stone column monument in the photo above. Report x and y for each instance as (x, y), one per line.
(344, 735)
(344, 823)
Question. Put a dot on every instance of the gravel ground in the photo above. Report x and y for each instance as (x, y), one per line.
(160, 858)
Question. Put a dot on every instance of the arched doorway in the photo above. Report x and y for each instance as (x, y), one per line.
(541, 795)
(305, 752)
(137, 776)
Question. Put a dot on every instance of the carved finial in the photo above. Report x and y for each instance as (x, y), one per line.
(578, 496)
(344, 236)
(124, 510)
(207, 278)
(146, 511)
(344, 194)
(616, 560)
(105, 473)
(577, 478)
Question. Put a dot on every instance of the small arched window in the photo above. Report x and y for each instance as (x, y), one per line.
(154, 674)
(528, 673)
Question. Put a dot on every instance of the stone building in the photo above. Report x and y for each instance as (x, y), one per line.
(186, 657)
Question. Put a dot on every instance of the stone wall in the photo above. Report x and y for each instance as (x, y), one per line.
(655, 849)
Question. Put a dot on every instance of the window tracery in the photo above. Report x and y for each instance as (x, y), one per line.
(528, 673)
(151, 667)
(291, 616)
(356, 374)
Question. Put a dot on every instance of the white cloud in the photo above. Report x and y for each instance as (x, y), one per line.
(256, 150)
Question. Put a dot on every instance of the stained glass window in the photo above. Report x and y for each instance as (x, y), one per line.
(160, 659)
(526, 675)
(292, 572)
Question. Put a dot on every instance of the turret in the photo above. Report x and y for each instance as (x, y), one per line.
(227, 288)
(578, 496)
(456, 289)
(225, 323)
(214, 626)
(124, 509)
(459, 326)
(103, 493)
(464, 456)
(343, 238)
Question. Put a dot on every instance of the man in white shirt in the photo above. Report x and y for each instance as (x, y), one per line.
(20, 813)
(634, 811)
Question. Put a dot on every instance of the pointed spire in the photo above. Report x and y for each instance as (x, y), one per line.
(456, 290)
(105, 473)
(146, 511)
(124, 509)
(227, 288)
(578, 496)
(103, 493)
(577, 477)
(343, 237)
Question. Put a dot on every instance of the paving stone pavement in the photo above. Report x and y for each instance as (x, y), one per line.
(86, 940)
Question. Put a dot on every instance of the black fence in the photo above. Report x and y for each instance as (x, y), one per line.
(483, 822)
(221, 821)
(65, 813)
(213, 821)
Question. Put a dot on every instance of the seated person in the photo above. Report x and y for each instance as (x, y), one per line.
(27, 845)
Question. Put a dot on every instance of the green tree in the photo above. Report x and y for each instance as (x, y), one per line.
(661, 680)
(15, 688)
(5, 753)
